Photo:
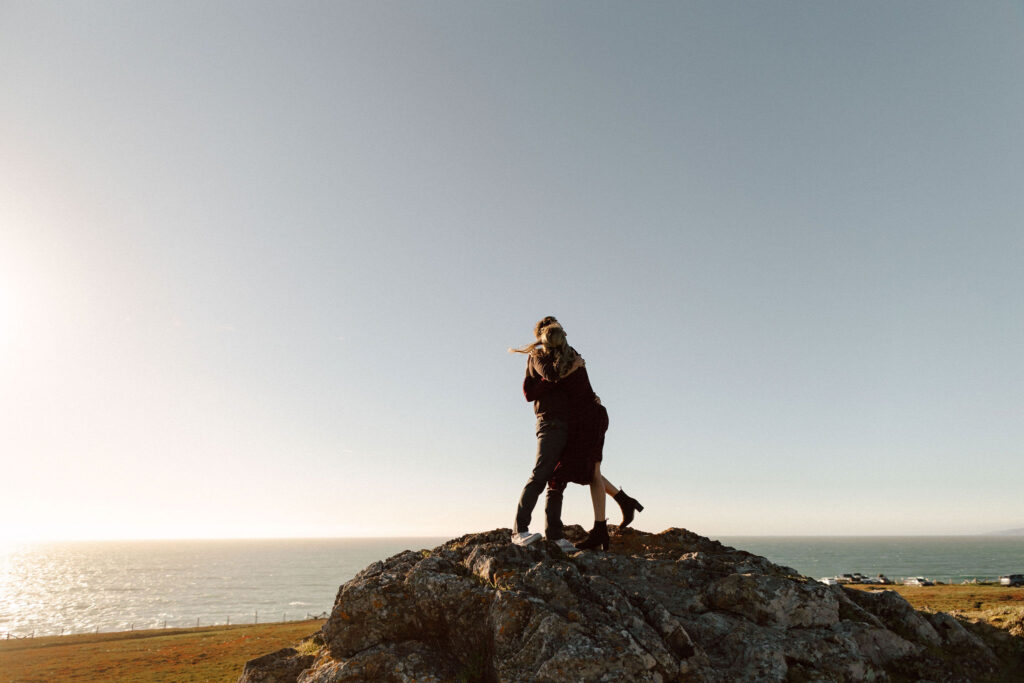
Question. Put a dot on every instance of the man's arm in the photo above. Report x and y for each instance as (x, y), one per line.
(535, 385)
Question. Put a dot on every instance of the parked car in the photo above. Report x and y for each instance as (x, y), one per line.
(917, 581)
(1012, 580)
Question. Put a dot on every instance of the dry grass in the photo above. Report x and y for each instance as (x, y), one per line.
(210, 653)
(996, 605)
(958, 597)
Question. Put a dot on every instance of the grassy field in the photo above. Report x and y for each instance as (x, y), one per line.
(958, 597)
(218, 653)
(993, 604)
(210, 653)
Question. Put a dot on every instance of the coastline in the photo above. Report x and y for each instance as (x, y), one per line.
(952, 559)
(218, 653)
(150, 583)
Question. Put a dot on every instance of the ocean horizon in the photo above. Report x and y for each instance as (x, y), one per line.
(52, 588)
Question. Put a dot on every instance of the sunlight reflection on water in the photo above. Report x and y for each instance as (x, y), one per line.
(78, 587)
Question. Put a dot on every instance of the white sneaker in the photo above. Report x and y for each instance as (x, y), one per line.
(525, 538)
(565, 546)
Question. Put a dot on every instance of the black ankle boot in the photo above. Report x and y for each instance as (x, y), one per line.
(596, 538)
(629, 506)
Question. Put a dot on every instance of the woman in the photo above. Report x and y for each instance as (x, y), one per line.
(571, 422)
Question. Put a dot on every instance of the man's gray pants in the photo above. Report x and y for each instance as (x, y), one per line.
(552, 436)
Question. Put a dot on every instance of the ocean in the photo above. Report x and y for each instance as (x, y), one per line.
(951, 559)
(80, 587)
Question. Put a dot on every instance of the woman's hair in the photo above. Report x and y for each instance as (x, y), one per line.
(546, 336)
(556, 348)
(544, 322)
(553, 337)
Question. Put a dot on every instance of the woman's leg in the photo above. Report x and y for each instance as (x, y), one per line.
(598, 536)
(629, 506)
(597, 489)
(609, 488)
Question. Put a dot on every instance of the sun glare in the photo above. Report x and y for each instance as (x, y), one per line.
(14, 264)
(6, 313)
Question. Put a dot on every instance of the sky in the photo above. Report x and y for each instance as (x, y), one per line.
(261, 263)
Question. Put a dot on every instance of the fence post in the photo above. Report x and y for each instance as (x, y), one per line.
(256, 616)
(229, 620)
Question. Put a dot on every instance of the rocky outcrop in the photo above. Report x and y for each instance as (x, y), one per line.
(672, 606)
(283, 665)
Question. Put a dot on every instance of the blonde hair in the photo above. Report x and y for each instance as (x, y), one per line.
(543, 339)
(551, 345)
(553, 337)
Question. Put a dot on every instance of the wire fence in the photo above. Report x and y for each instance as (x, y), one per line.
(162, 625)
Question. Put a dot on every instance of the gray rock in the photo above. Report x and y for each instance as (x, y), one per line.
(283, 665)
(897, 615)
(955, 636)
(672, 606)
(775, 601)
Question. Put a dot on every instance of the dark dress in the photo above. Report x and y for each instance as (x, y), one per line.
(588, 422)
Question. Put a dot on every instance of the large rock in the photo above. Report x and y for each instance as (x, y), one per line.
(672, 606)
(283, 665)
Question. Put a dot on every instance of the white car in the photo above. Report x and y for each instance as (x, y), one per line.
(1012, 580)
(917, 581)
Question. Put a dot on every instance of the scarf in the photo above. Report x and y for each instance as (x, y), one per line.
(554, 367)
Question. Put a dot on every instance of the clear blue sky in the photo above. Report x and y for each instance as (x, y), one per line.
(260, 262)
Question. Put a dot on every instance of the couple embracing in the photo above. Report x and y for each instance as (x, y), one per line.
(571, 423)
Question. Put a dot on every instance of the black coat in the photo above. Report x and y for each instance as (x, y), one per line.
(573, 400)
